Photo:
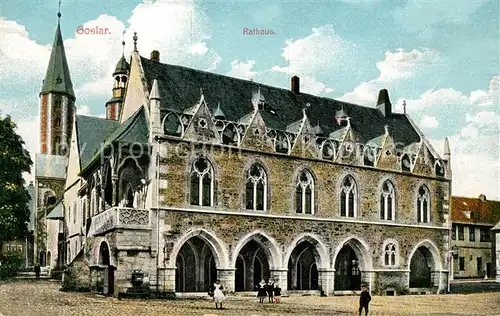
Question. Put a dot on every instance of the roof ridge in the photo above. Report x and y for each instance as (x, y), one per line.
(257, 84)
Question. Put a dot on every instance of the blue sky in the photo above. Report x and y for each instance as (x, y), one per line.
(442, 57)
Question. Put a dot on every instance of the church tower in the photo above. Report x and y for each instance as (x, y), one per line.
(57, 101)
(114, 105)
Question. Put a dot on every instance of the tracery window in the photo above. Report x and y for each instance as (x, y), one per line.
(387, 202)
(348, 196)
(201, 183)
(423, 205)
(304, 193)
(390, 253)
(256, 188)
(282, 143)
(172, 125)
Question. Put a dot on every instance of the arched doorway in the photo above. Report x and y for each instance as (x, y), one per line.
(303, 267)
(421, 266)
(239, 275)
(42, 259)
(108, 277)
(347, 270)
(252, 265)
(49, 258)
(196, 266)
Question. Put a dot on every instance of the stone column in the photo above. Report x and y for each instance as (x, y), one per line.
(114, 179)
(280, 277)
(226, 277)
(170, 279)
(326, 278)
(368, 277)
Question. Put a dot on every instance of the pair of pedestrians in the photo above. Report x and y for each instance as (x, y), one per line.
(270, 290)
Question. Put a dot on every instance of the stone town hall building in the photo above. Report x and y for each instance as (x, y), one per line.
(195, 176)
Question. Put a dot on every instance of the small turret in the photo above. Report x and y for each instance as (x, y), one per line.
(218, 113)
(447, 152)
(114, 105)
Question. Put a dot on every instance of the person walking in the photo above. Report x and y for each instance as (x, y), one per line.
(261, 291)
(37, 271)
(270, 290)
(277, 293)
(364, 300)
(218, 294)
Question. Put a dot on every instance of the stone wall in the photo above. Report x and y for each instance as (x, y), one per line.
(228, 233)
(77, 275)
(230, 167)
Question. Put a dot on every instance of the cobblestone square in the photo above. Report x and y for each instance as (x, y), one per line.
(40, 298)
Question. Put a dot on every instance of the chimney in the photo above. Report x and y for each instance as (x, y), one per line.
(295, 85)
(155, 56)
(383, 103)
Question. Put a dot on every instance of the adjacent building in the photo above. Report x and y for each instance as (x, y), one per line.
(472, 237)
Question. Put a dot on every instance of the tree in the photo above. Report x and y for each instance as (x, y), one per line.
(14, 198)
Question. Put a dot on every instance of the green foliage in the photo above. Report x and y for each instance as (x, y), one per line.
(14, 198)
(12, 263)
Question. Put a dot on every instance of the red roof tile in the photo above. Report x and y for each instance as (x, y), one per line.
(481, 210)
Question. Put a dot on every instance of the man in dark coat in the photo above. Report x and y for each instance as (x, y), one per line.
(364, 300)
(37, 271)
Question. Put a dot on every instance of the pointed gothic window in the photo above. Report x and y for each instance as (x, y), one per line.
(387, 202)
(390, 254)
(130, 197)
(405, 163)
(282, 143)
(369, 156)
(172, 125)
(348, 194)
(58, 122)
(230, 135)
(328, 150)
(304, 193)
(201, 187)
(256, 188)
(423, 205)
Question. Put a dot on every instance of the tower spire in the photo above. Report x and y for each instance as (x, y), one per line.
(123, 42)
(59, 13)
(57, 77)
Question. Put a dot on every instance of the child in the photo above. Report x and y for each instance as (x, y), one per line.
(218, 295)
(364, 300)
(262, 293)
(270, 289)
(277, 293)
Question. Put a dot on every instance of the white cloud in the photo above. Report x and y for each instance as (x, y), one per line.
(484, 118)
(396, 66)
(181, 39)
(428, 122)
(242, 70)
(455, 99)
(403, 65)
(469, 131)
(474, 171)
(316, 54)
(489, 97)
(321, 52)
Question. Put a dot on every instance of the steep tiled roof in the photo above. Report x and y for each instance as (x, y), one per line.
(92, 131)
(50, 166)
(134, 130)
(57, 212)
(481, 212)
(180, 89)
(57, 78)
